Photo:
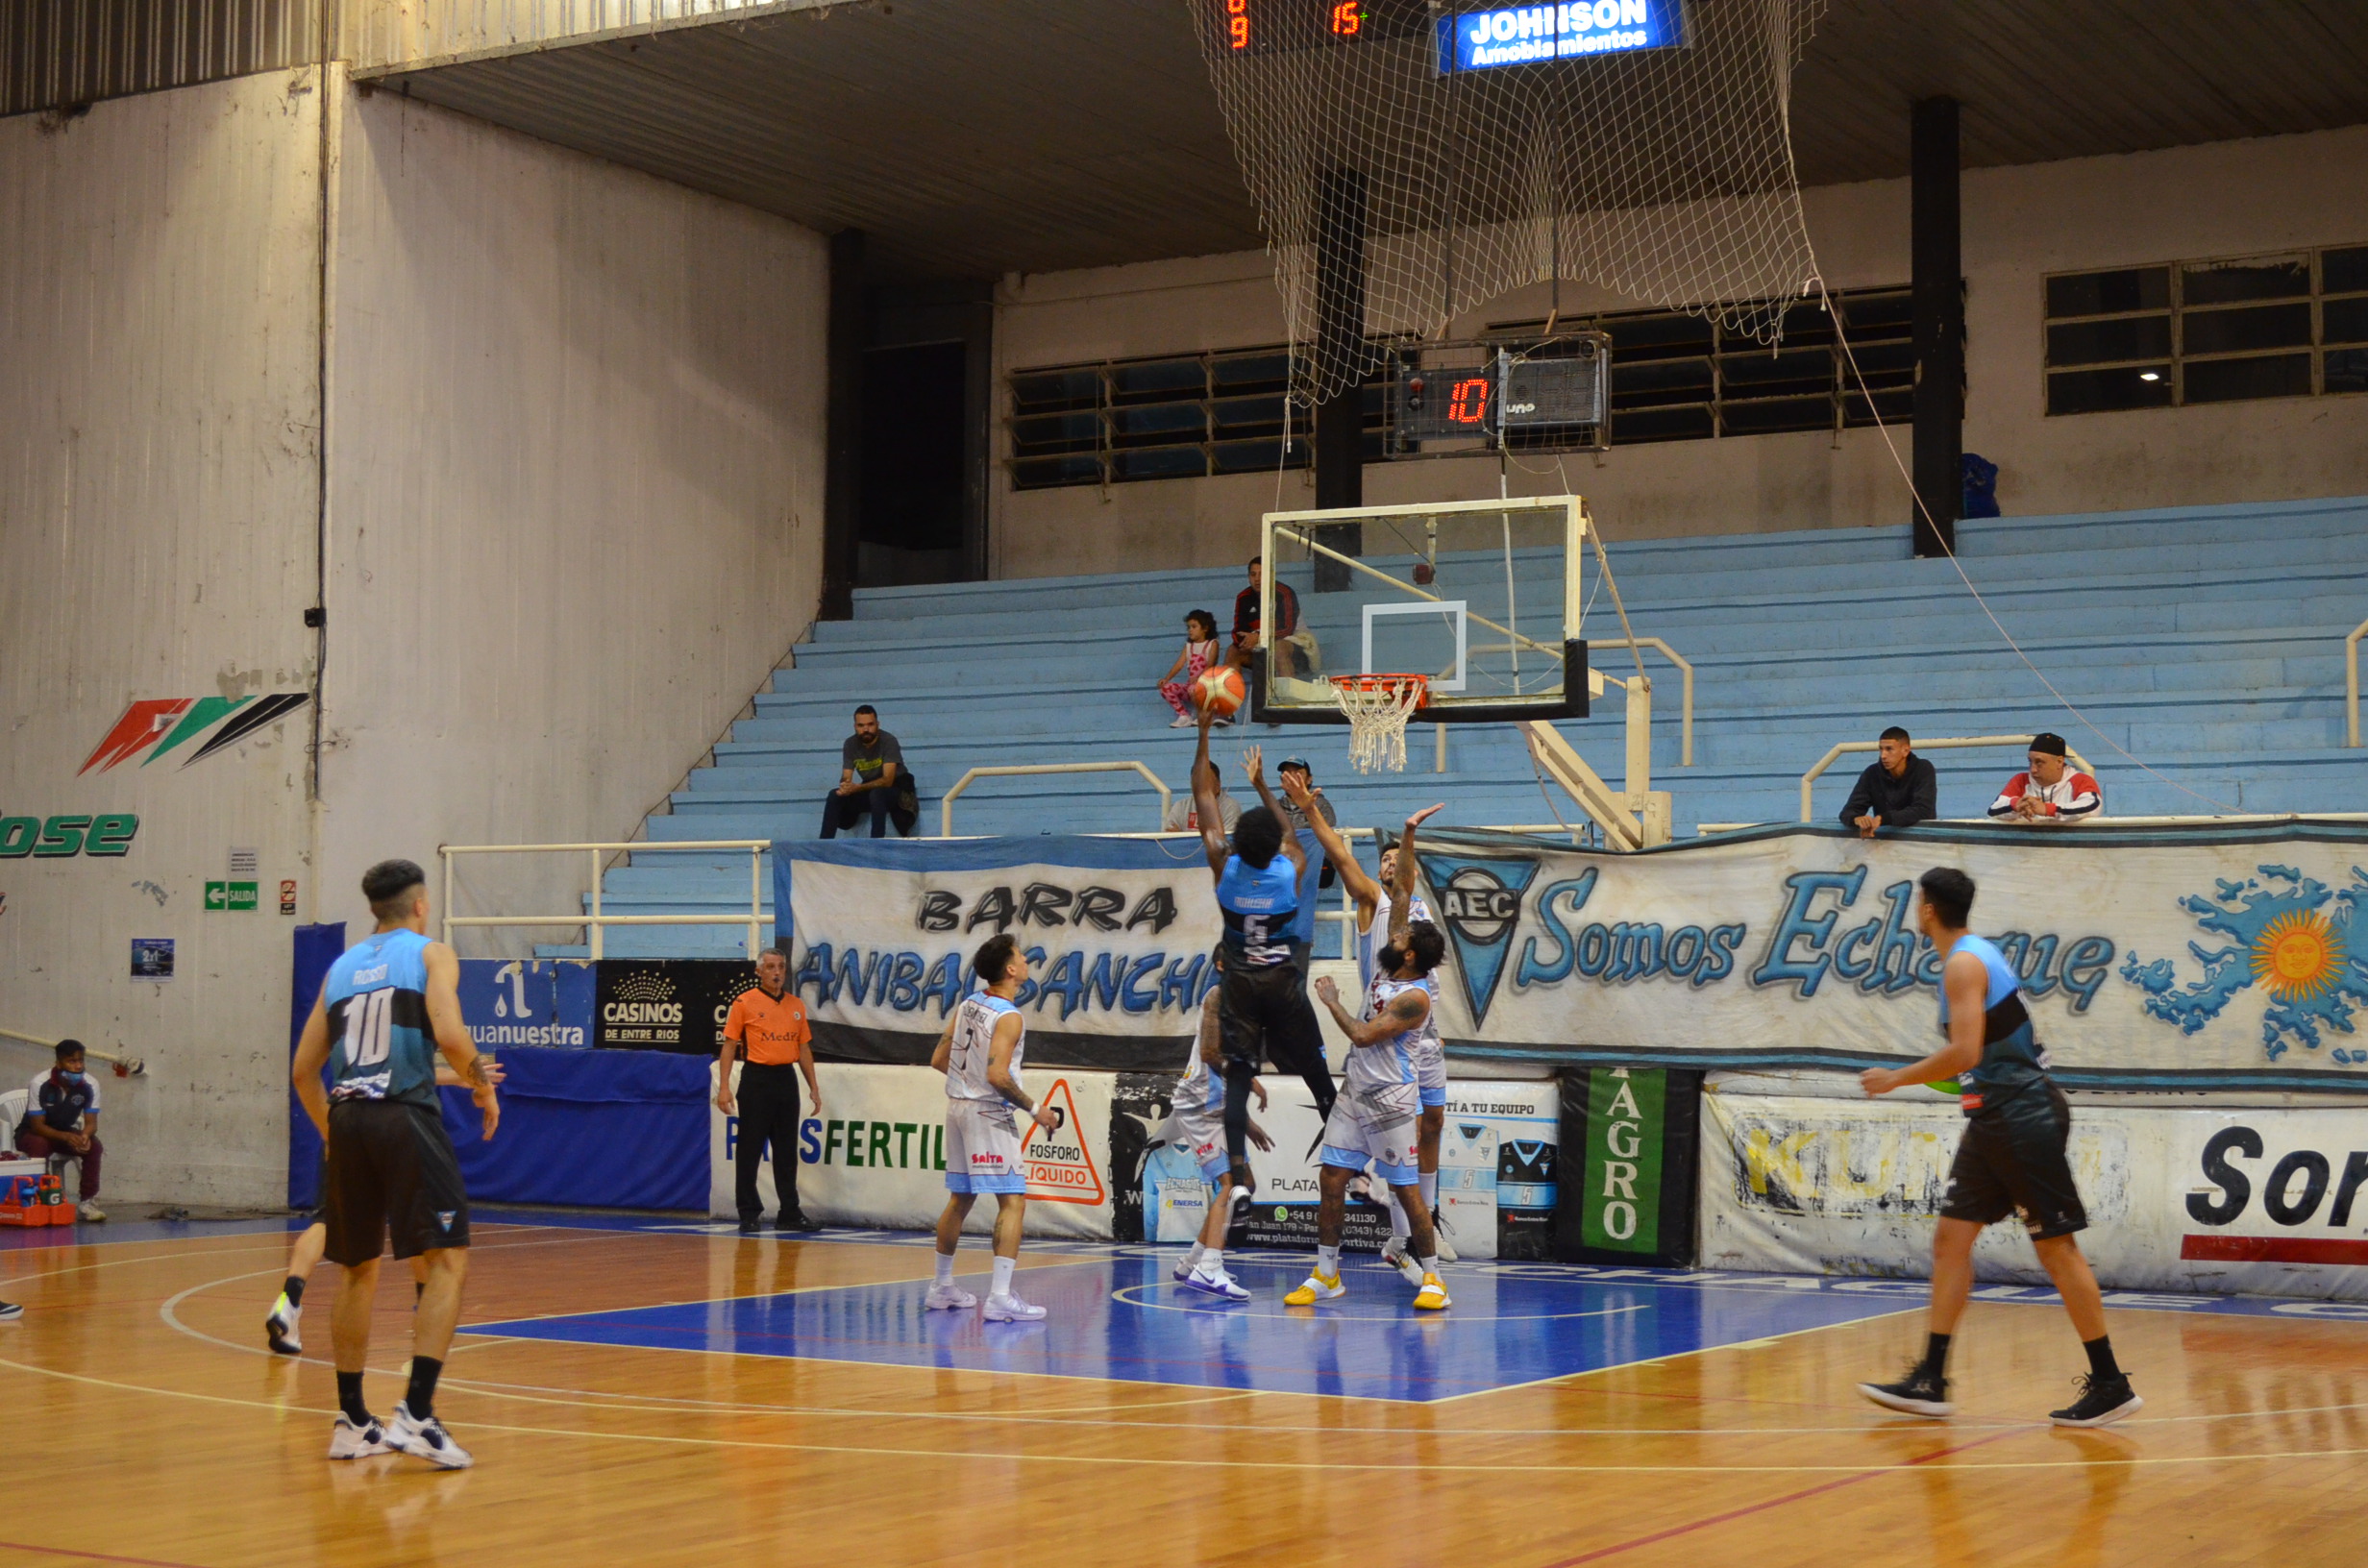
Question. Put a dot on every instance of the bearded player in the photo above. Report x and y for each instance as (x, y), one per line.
(1384, 910)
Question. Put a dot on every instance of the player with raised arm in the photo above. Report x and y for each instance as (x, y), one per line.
(1384, 910)
(1262, 1003)
(1374, 1118)
(1200, 1131)
(980, 1053)
(2011, 1161)
(387, 1006)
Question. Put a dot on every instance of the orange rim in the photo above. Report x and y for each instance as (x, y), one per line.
(1391, 684)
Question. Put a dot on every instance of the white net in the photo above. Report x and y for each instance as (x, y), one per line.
(1378, 707)
(1406, 171)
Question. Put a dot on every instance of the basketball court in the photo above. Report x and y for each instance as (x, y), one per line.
(776, 1392)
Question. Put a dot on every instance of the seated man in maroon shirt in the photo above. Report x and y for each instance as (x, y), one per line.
(1246, 632)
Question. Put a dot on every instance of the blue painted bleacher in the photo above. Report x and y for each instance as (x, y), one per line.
(2207, 640)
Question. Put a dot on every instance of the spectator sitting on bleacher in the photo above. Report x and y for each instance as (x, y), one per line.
(871, 778)
(1184, 817)
(2050, 792)
(1899, 789)
(1198, 652)
(61, 1117)
(1247, 633)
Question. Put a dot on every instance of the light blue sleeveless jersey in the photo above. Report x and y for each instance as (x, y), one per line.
(376, 997)
(1260, 904)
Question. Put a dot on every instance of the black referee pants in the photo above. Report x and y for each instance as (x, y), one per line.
(768, 1102)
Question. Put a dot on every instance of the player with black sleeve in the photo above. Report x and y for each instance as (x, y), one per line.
(2011, 1159)
(1261, 1002)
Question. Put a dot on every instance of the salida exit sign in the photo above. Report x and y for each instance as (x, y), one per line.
(231, 896)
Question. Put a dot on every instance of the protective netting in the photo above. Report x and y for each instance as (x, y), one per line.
(1398, 190)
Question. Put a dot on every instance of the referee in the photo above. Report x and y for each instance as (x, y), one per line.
(767, 1028)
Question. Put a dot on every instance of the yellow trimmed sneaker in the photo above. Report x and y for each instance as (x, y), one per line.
(1433, 1294)
(1317, 1289)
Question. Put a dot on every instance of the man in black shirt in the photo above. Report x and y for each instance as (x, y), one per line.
(871, 778)
(1249, 636)
(1898, 790)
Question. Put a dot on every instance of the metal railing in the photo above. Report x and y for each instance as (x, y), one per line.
(2350, 684)
(1685, 670)
(944, 806)
(593, 921)
(1704, 830)
(132, 1066)
(1956, 743)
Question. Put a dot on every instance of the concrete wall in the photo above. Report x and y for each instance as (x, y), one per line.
(575, 456)
(575, 512)
(158, 466)
(2229, 198)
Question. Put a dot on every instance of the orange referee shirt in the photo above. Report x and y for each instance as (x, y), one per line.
(769, 1031)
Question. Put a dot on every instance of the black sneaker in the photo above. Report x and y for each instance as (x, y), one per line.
(750, 1226)
(1238, 1195)
(8, 1310)
(794, 1222)
(2102, 1401)
(1921, 1393)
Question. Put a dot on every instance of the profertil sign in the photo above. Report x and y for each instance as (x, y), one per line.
(67, 834)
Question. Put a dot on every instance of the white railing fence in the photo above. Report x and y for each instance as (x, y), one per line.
(594, 921)
(944, 806)
(2350, 684)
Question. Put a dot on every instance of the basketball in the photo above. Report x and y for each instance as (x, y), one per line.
(1220, 691)
(1423, 573)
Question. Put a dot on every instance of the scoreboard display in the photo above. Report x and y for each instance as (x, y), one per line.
(1469, 37)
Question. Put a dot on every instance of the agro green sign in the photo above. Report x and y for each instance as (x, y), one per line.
(1620, 1198)
(108, 833)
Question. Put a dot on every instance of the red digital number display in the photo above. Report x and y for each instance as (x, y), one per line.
(1237, 23)
(1348, 18)
(1467, 401)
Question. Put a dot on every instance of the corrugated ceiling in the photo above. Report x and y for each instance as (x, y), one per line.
(972, 137)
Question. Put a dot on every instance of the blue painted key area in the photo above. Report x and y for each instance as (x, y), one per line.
(1120, 1317)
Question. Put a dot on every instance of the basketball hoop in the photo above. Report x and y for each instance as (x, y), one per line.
(1378, 707)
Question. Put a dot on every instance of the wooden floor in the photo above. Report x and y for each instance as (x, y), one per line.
(144, 1424)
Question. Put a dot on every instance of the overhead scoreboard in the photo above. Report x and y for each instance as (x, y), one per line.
(1468, 39)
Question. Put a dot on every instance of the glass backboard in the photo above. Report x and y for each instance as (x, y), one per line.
(1479, 598)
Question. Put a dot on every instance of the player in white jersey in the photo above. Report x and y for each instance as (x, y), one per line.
(1373, 1119)
(1199, 1130)
(980, 1053)
(1384, 909)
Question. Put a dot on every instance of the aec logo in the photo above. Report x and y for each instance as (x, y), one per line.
(1480, 901)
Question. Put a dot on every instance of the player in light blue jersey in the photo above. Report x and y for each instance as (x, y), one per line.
(2012, 1159)
(388, 1006)
(1262, 1004)
(980, 1053)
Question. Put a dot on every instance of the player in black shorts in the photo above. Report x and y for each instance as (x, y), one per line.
(2010, 1161)
(1262, 1005)
(388, 1005)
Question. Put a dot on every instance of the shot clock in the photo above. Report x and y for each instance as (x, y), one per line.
(1467, 37)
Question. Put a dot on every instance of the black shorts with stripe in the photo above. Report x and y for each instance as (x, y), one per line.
(391, 1169)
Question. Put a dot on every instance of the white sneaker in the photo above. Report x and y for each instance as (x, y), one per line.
(1184, 721)
(1438, 1239)
(91, 1212)
(347, 1442)
(1012, 1309)
(1183, 1269)
(946, 1298)
(279, 1328)
(427, 1440)
(1394, 1253)
(1219, 1285)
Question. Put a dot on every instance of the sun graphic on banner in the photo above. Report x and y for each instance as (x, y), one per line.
(2298, 955)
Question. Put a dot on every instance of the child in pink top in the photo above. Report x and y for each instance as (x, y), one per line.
(1199, 652)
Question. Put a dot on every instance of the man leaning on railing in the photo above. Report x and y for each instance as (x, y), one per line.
(2052, 792)
(1898, 789)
